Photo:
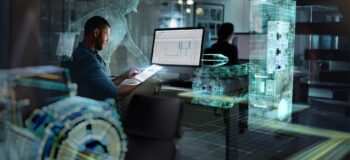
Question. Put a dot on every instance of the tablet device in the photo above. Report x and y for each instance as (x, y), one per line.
(143, 76)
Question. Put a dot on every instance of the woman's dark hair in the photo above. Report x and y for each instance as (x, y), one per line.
(225, 31)
(93, 23)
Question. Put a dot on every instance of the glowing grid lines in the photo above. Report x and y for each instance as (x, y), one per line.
(271, 58)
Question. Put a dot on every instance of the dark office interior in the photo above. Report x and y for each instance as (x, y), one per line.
(287, 98)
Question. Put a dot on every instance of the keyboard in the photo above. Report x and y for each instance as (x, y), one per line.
(143, 76)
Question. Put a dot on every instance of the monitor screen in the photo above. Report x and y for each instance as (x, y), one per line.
(178, 46)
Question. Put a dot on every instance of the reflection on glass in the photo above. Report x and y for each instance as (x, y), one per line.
(115, 14)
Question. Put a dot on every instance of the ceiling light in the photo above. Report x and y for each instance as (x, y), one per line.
(190, 2)
(200, 11)
(188, 10)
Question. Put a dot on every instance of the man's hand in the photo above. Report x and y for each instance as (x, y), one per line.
(126, 75)
(132, 72)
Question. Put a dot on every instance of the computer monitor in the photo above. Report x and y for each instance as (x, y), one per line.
(178, 47)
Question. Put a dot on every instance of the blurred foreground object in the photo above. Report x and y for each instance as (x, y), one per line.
(41, 118)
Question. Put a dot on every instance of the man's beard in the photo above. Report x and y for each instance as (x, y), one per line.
(98, 45)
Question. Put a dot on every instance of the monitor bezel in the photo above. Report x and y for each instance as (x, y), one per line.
(180, 28)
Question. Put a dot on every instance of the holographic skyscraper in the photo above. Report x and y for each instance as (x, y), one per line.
(272, 27)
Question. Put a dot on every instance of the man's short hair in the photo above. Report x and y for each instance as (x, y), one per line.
(225, 31)
(93, 23)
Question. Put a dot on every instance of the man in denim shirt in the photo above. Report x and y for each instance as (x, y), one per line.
(88, 69)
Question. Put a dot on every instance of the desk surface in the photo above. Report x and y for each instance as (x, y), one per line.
(322, 84)
(209, 134)
(224, 99)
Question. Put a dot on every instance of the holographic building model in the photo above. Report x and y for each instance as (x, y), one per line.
(271, 59)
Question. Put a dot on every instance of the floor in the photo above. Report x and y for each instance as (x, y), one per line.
(205, 135)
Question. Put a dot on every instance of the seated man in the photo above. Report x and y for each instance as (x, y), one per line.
(223, 45)
(88, 69)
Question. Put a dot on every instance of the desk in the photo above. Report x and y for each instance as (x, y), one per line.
(232, 123)
(232, 120)
(337, 91)
(225, 135)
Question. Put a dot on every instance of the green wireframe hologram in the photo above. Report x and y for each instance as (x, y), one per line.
(271, 58)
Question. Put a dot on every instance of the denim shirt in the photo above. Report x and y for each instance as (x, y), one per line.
(89, 71)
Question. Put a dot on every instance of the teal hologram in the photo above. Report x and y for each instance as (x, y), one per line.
(271, 59)
(220, 87)
(214, 60)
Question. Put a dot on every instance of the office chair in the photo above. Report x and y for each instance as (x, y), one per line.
(152, 125)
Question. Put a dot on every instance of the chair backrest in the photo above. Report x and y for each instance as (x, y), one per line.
(154, 117)
(153, 125)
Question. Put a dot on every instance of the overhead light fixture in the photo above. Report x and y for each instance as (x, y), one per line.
(200, 11)
(188, 10)
(190, 2)
(180, 2)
